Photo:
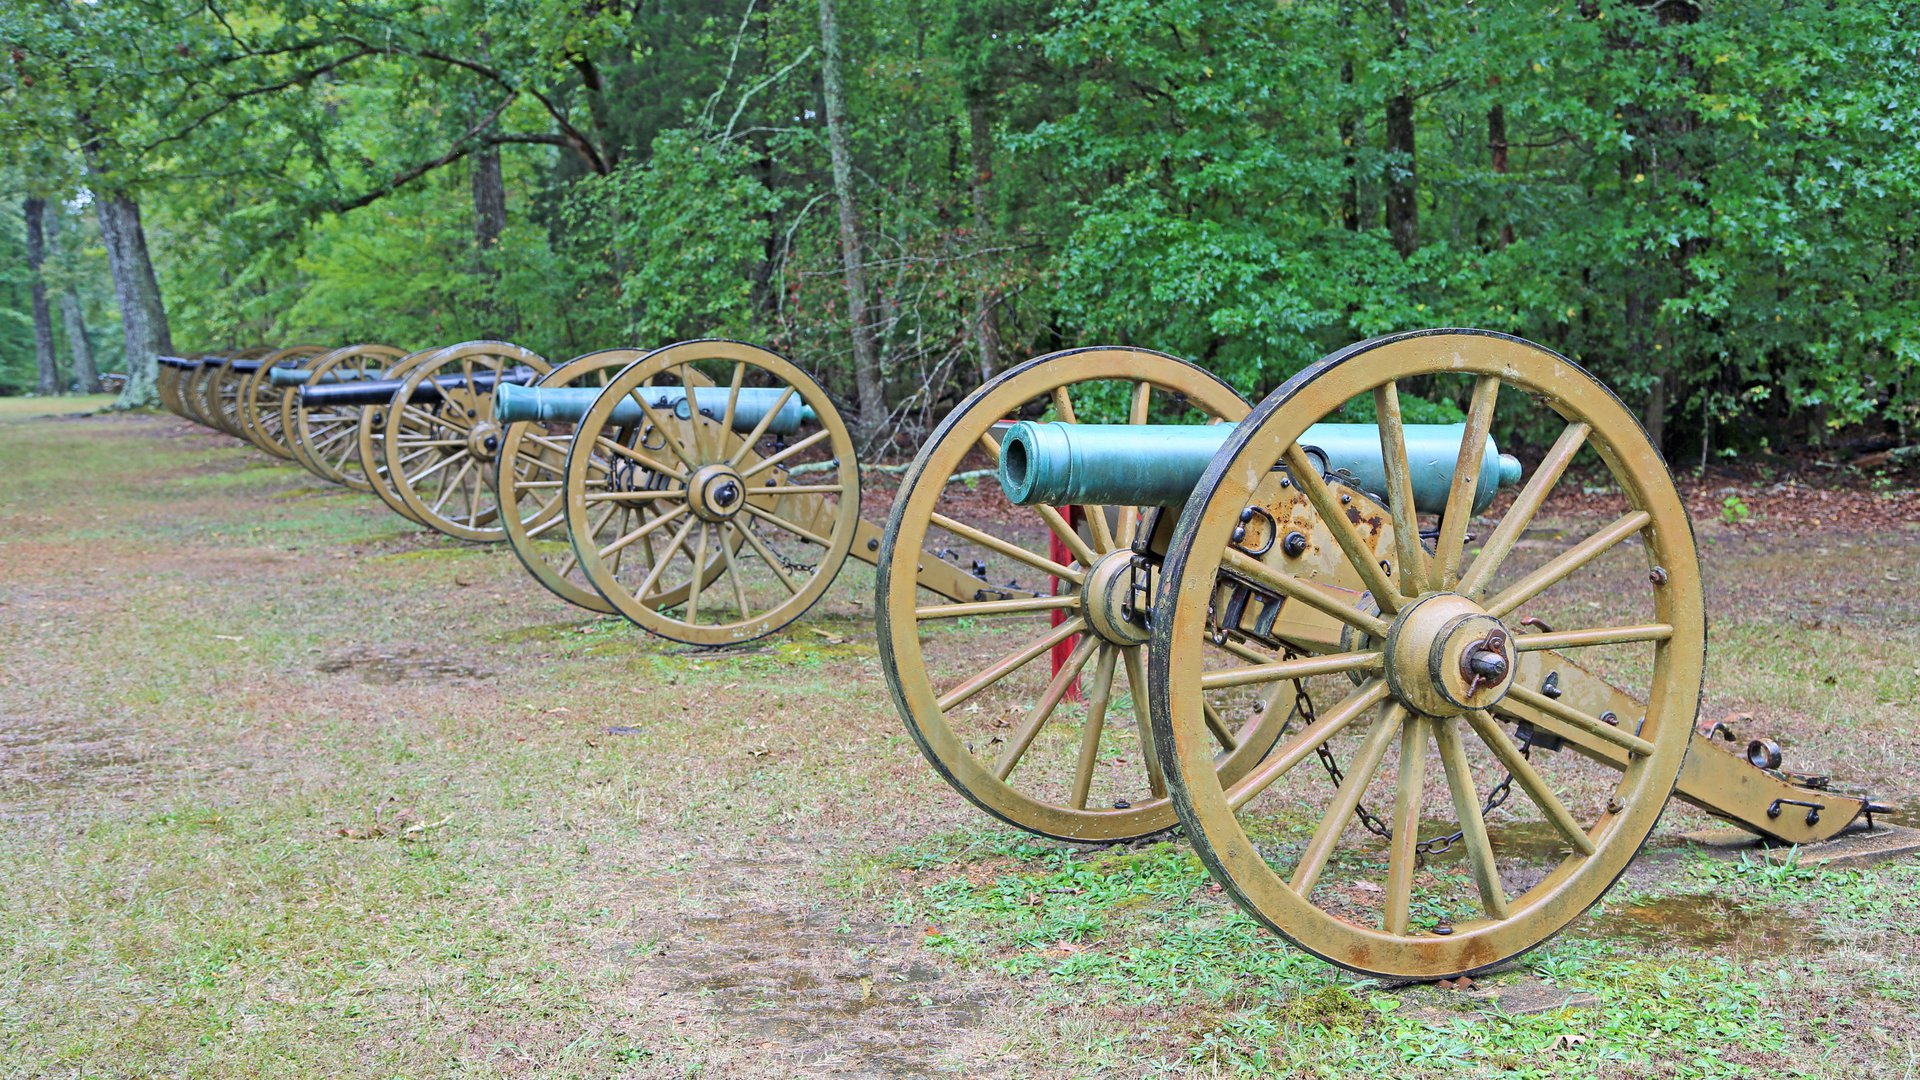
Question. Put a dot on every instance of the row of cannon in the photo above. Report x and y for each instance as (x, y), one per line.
(1314, 580)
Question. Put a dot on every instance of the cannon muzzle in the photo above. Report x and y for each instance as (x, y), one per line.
(1158, 465)
(568, 404)
(368, 392)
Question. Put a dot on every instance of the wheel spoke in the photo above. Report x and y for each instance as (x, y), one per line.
(759, 430)
(1217, 725)
(1591, 725)
(1284, 670)
(626, 496)
(699, 572)
(1282, 760)
(798, 489)
(1337, 604)
(666, 436)
(1098, 696)
(666, 556)
(1010, 550)
(593, 535)
(643, 531)
(647, 460)
(1137, 690)
(1565, 563)
(779, 522)
(733, 397)
(1402, 849)
(1334, 515)
(1473, 824)
(1406, 517)
(1604, 635)
(1009, 663)
(726, 556)
(1530, 781)
(458, 455)
(760, 548)
(771, 460)
(1360, 773)
(998, 607)
(1043, 709)
(1466, 483)
(446, 492)
(1520, 515)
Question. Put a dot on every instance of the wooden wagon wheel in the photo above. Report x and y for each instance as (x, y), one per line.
(999, 730)
(370, 436)
(260, 400)
(192, 387)
(223, 392)
(690, 446)
(324, 437)
(533, 496)
(1430, 654)
(166, 385)
(440, 453)
(206, 399)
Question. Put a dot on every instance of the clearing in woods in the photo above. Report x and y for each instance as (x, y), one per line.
(293, 788)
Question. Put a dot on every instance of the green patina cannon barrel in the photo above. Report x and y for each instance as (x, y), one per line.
(1059, 464)
(568, 404)
(364, 392)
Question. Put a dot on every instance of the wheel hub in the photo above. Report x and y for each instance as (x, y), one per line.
(1446, 656)
(1114, 598)
(716, 492)
(483, 441)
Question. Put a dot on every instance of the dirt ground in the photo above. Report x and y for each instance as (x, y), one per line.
(294, 789)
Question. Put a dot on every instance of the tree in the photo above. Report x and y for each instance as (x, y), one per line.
(35, 211)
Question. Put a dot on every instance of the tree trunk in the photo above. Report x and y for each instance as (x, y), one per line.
(137, 295)
(986, 324)
(869, 387)
(42, 315)
(489, 199)
(1497, 147)
(1403, 210)
(1349, 136)
(86, 376)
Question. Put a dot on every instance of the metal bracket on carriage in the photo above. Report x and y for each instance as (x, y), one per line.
(1742, 784)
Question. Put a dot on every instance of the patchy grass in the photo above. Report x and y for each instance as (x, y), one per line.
(30, 408)
(294, 789)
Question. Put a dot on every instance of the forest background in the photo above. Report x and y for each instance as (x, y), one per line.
(1710, 203)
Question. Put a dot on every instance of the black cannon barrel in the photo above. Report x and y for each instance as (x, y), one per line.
(180, 362)
(381, 391)
(244, 367)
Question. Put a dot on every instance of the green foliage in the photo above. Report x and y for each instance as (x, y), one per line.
(1710, 205)
(1733, 510)
(679, 235)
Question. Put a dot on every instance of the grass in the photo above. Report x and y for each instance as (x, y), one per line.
(293, 789)
(28, 408)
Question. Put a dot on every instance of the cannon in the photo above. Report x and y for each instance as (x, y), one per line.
(323, 436)
(430, 435)
(707, 491)
(258, 411)
(1517, 699)
(168, 378)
